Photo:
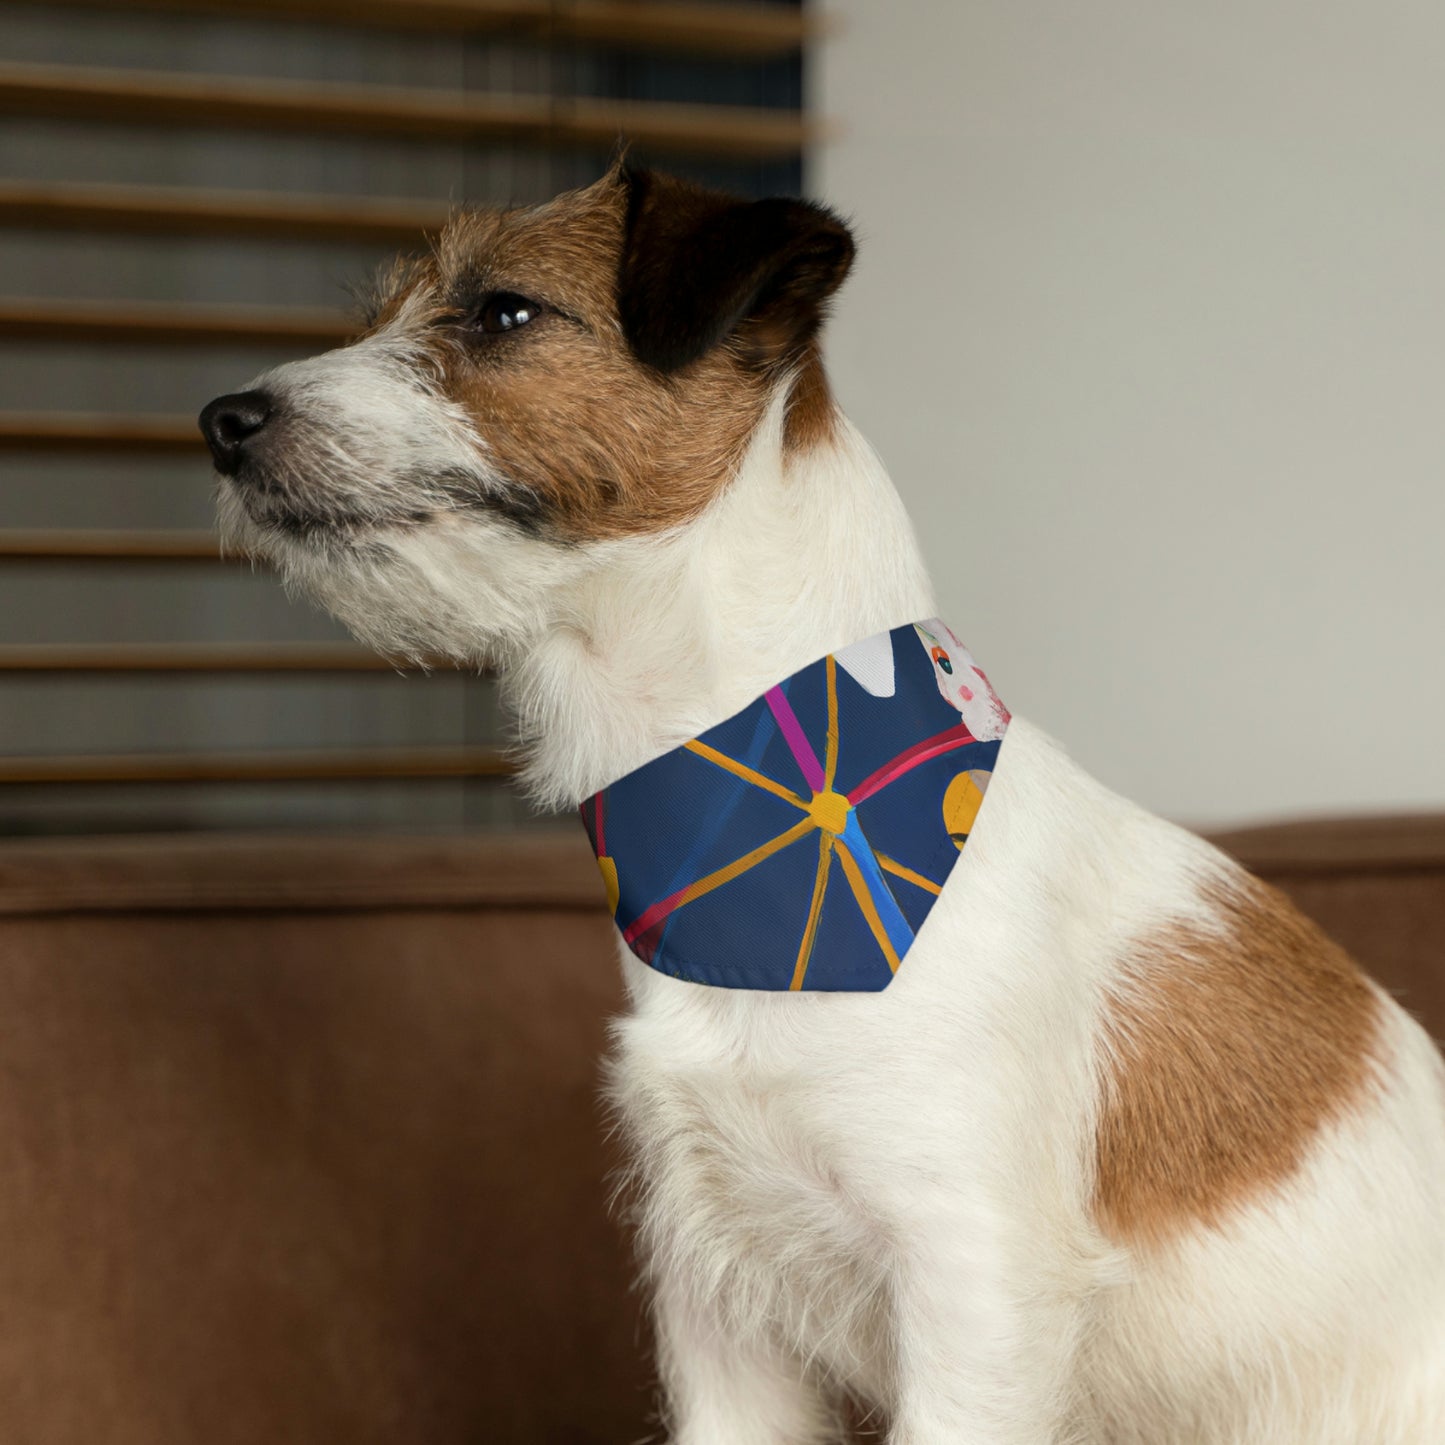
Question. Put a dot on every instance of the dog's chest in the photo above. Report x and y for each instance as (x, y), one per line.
(749, 1182)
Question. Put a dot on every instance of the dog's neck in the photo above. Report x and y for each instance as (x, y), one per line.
(803, 553)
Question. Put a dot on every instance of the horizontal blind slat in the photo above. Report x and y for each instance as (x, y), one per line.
(110, 546)
(197, 212)
(69, 658)
(171, 323)
(98, 431)
(721, 29)
(320, 765)
(316, 107)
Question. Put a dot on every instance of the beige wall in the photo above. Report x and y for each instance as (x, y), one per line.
(1149, 324)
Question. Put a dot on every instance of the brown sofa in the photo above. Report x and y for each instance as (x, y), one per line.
(299, 1141)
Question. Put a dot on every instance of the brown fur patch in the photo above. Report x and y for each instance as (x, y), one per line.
(812, 412)
(595, 443)
(1228, 1052)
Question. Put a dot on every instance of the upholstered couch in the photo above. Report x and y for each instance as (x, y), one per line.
(300, 1142)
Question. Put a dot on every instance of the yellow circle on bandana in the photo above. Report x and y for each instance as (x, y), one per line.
(961, 801)
(830, 811)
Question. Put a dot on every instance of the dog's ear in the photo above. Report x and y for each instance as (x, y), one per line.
(699, 267)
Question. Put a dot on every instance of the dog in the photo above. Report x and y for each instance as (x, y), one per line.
(1125, 1152)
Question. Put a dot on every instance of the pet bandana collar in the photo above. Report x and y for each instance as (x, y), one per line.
(801, 843)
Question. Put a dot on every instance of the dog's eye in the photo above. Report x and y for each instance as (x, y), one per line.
(505, 311)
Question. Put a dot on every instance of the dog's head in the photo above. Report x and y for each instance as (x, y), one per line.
(547, 383)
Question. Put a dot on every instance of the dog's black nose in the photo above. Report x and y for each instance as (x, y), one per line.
(229, 422)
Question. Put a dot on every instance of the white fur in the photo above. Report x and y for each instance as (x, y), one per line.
(889, 1194)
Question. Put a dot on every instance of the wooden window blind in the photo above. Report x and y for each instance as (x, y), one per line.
(187, 190)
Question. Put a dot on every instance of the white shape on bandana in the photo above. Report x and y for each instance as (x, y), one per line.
(869, 663)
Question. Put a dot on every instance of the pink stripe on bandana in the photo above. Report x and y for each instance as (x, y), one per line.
(792, 731)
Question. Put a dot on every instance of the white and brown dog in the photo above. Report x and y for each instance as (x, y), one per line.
(1127, 1152)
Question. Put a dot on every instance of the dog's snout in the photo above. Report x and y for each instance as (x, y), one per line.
(229, 422)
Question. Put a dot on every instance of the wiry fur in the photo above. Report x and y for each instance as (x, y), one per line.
(896, 1196)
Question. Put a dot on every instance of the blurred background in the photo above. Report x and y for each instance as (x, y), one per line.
(303, 1007)
(1146, 324)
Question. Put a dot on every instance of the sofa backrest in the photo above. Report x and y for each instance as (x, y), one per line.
(300, 1142)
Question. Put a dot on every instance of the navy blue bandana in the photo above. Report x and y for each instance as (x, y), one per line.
(801, 843)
